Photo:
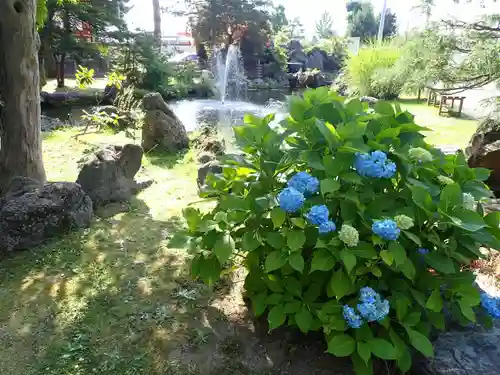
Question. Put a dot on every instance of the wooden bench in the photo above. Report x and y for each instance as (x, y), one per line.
(437, 99)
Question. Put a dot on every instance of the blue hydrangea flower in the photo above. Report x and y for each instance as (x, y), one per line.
(353, 320)
(386, 229)
(375, 165)
(327, 227)
(491, 305)
(318, 215)
(375, 311)
(367, 295)
(291, 200)
(423, 251)
(305, 183)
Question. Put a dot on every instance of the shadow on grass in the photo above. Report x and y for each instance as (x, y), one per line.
(165, 159)
(100, 301)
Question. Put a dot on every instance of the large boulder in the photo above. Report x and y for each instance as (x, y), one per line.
(162, 128)
(296, 52)
(464, 352)
(31, 212)
(484, 150)
(108, 174)
(315, 60)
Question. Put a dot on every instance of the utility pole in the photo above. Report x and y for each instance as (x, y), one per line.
(380, 35)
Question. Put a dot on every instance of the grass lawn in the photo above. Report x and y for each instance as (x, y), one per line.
(445, 130)
(114, 300)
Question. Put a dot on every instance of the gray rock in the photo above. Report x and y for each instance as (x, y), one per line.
(484, 150)
(205, 157)
(210, 167)
(315, 60)
(162, 128)
(368, 99)
(465, 352)
(49, 124)
(108, 175)
(296, 52)
(31, 212)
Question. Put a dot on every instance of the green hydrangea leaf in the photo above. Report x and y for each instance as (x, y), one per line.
(349, 260)
(278, 216)
(340, 284)
(295, 239)
(420, 342)
(304, 319)
(224, 248)
(364, 351)
(435, 302)
(329, 186)
(276, 317)
(341, 345)
(275, 260)
(322, 260)
(297, 262)
(382, 349)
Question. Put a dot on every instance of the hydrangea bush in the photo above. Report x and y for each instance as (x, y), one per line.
(349, 223)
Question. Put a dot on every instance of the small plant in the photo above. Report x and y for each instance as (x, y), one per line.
(126, 100)
(348, 223)
(84, 77)
(101, 120)
(115, 79)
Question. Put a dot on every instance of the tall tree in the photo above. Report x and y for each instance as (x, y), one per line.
(157, 20)
(227, 21)
(390, 24)
(20, 134)
(296, 27)
(59, 37)
(361, 20)
(461, 55)
(278, 18)
(324, 26)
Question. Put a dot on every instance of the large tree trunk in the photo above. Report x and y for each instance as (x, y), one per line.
(157, 20)
(20, 133)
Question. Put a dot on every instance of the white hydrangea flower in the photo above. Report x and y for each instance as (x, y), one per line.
(404, 222)
(420, 154)
(443, 180)
(469, 201)
(349, 235)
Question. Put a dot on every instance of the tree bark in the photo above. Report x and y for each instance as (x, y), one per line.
(20, 131)
(157, 20)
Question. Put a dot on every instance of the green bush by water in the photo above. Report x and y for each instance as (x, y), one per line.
(371, 72)
(348, 223)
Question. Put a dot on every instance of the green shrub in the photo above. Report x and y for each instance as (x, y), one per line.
(84, 77)
(336, 200)
(370, 72)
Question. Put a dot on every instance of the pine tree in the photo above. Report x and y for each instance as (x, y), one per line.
(324, 26)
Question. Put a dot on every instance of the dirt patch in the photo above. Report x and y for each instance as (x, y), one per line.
(238, 344)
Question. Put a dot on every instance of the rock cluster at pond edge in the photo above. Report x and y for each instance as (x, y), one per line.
(162, 129)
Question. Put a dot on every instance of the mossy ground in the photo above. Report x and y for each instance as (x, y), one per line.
(114, 300)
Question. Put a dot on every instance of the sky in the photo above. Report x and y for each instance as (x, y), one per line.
(141, 16)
